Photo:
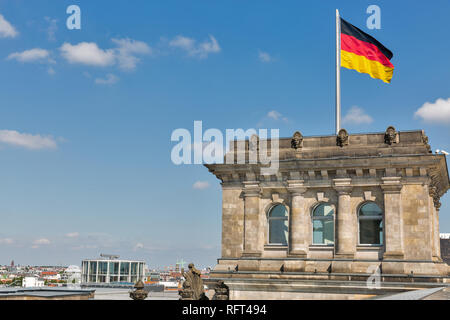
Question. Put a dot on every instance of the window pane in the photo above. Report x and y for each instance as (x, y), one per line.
(328, 234)
(278, 211)
(318, 232)
(93, 267)
(323, 232)
(278, 231)
(370, 209)
(124, 268)
(371, 231)
(114, 268)
(134, 268)
(323, 210)
(102, 267)
(381, 232)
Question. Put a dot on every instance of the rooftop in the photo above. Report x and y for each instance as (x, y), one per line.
(43, 292)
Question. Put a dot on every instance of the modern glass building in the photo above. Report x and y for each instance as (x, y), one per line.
(112, 271)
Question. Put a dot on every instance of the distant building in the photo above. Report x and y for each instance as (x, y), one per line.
(32, 282)
(51, 275)
(445, 247)
(112, 270)
(72, 274)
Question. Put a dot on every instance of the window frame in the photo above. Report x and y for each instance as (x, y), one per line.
(271, 207)
(358, 217)
(313, 208)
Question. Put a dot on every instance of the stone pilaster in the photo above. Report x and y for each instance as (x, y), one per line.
(252, 194)
(299, 228)
(393, 225)
(346, 229)
(436, 238)
(434, 217)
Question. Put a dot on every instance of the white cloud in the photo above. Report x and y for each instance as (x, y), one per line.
(72, 235)
(437, 112)
(41, 241)
(6, 241)
(6, 29)
(271, 116)
(124, 55)
(264, 57)
(275, 115)
(27, 140)
(32, 55)
(200, 185)
(87, 53)
(356, 115)
(51, 29)
(201, 50)
(108, 80)
(126, 51)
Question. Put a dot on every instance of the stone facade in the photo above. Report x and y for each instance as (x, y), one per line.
(394, 170)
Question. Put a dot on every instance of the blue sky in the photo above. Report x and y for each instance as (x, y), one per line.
(87, 115)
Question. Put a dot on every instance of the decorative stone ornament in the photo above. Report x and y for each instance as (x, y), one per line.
(222, 291)
(253, 143)
(139, 293)
(192, 288)
(342, 138)
(297, 141)
(390, 136)
(425, 141)
(434, 194)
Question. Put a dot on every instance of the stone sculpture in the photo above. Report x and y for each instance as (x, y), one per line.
(139, 293)
(297, 141)
(193, 288)
(342, 138)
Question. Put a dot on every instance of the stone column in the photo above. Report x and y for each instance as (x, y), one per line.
(299, 221)
(393, 224)
(252, 193)
(346, 229)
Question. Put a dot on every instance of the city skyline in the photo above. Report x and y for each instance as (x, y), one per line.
(88, 114)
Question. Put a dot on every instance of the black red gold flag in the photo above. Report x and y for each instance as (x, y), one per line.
(365, 54)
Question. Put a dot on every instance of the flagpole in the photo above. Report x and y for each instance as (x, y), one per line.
(338, 73)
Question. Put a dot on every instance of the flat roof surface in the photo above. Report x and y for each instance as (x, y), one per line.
(44, 292)
(124, 294)
(113, 260)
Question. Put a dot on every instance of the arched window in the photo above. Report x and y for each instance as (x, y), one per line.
(370, 218)
(323, 224)
(278, 225)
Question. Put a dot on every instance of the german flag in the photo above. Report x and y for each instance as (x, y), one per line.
(363, 53)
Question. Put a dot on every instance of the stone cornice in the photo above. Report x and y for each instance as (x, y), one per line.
(251, 189)
(391, 184)
(364, 171)
(342, 185)
(296, 187)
